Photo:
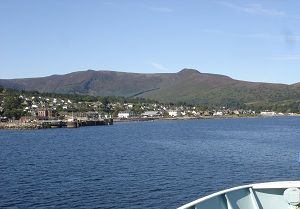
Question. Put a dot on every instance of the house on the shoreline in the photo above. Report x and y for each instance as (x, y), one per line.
(174, 113)
(151, 114)
(267, 113)
(125, 114)
(218, 113)
(3, 119)
(46, 113)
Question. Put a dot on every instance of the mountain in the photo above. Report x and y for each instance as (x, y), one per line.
(188, 85)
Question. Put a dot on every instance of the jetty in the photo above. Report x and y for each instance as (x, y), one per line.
(43, 124)
(75, 123)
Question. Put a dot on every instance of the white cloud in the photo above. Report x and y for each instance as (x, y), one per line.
(289, 38)
(287, 57)
(264, 36)
(159, 67)
(255, 8)
(237, 35)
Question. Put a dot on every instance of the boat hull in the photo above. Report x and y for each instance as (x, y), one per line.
(72, 124)
(272, 195)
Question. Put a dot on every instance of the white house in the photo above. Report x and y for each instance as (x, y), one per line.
(267, 113)
(236, 112)
(195, 113)
(125, 114)
(174, 113)
(218, 113)
(151, 113)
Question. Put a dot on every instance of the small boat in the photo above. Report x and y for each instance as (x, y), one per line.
(72, 123)
(271, 195)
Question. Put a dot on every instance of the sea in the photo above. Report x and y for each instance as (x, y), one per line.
(160, 164)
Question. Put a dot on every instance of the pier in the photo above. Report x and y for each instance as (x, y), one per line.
(78, 123)
(43, 124)
(75, 123)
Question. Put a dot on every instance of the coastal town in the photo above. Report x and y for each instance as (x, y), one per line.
(27, 111)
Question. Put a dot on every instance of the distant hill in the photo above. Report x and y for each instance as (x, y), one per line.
(188, 85)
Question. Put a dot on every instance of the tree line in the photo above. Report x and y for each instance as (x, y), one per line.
(12, 106)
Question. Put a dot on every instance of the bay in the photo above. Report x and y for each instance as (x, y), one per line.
(161, 164)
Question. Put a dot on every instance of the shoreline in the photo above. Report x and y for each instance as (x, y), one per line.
(35, 125)
(17, 125)
(199, 118)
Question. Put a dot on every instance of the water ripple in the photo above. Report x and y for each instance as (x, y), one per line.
(143, 165)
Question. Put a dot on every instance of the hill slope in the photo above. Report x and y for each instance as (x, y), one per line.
(187, 85)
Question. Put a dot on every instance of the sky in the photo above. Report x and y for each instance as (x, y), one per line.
(246, 40)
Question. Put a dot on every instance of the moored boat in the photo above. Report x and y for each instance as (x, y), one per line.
(271, 195)
(72, 123)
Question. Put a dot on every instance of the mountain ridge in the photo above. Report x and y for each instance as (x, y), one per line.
(187, 85)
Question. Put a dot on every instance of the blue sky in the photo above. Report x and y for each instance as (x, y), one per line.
(247, 40)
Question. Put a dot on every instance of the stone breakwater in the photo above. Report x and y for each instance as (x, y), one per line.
(20, 126)
(17, 125)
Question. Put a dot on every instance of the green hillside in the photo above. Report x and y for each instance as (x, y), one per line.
(188, 85)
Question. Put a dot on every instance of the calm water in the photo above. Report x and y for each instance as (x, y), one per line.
(161, 164)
